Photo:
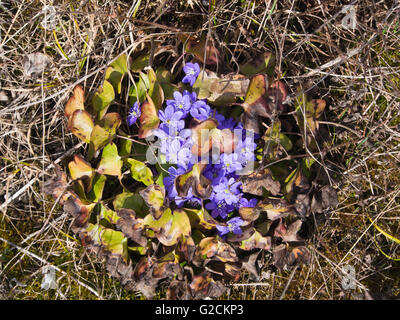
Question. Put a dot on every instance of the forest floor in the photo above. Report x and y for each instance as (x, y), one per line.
(345, 52)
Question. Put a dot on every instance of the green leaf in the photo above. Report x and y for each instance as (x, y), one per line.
(126, 147)
(98, 183)
(138, 91)
(255, 102)
(140, 63)
(256, 241)
(200, 217)
(155, 91)
(110, 162)
(98, 139)
(140, 172)
(154, 196)
(264, 63)
(113, 241)
(107, 214)
(103, 98)
(129, 200)
(170, 226)
(116, 71)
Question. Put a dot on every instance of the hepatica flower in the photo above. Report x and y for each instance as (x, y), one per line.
(134, 114)
(230, 162)
(233, 226)
(175, 145)
(200, 110)
(171, 119)
(227, 190)
(191, 70)
(181, 102)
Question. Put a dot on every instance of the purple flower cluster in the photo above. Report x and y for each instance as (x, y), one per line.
(176, 148)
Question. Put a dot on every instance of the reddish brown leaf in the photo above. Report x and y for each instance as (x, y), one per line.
(148, 119)
(75, 102)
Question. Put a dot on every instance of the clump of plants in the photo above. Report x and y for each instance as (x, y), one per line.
(198, 177)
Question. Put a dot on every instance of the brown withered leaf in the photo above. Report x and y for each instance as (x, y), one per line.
(167, 266)
(296, 183)
(142, 274)
(149, 120)
(291, 233)
(263, 63)
(118, 268)
(247, 232)
(211, 248)
(81, 125)
(277, 94)
(57, 186)
(285, 255)
(223, 269)
(80, 211)
(202, 50)
(220, 90)
(302, 204)
(154, 196)
(178, 290)
(204, 286)
(201, 186)
(250, 122)
(324, 199)
(251, 263)
(131, 226)
(258, 180)
(256, 241)
(187, 246)
(276, 209)
(201, 134)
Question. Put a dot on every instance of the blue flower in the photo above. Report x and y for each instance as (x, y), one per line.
(200, 110)
(227, 190)
(245, 150)
(243, 202)
(229, 162)
(219, 208)
(233, 226)
(213, 174)
(192, 95)
(227, 124)
(181, 102)
(134, 114)
(191, 70)
(171, 119)
(176, 153)
(169, 181)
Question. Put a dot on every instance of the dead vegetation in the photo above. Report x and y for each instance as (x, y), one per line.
(355, 68)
